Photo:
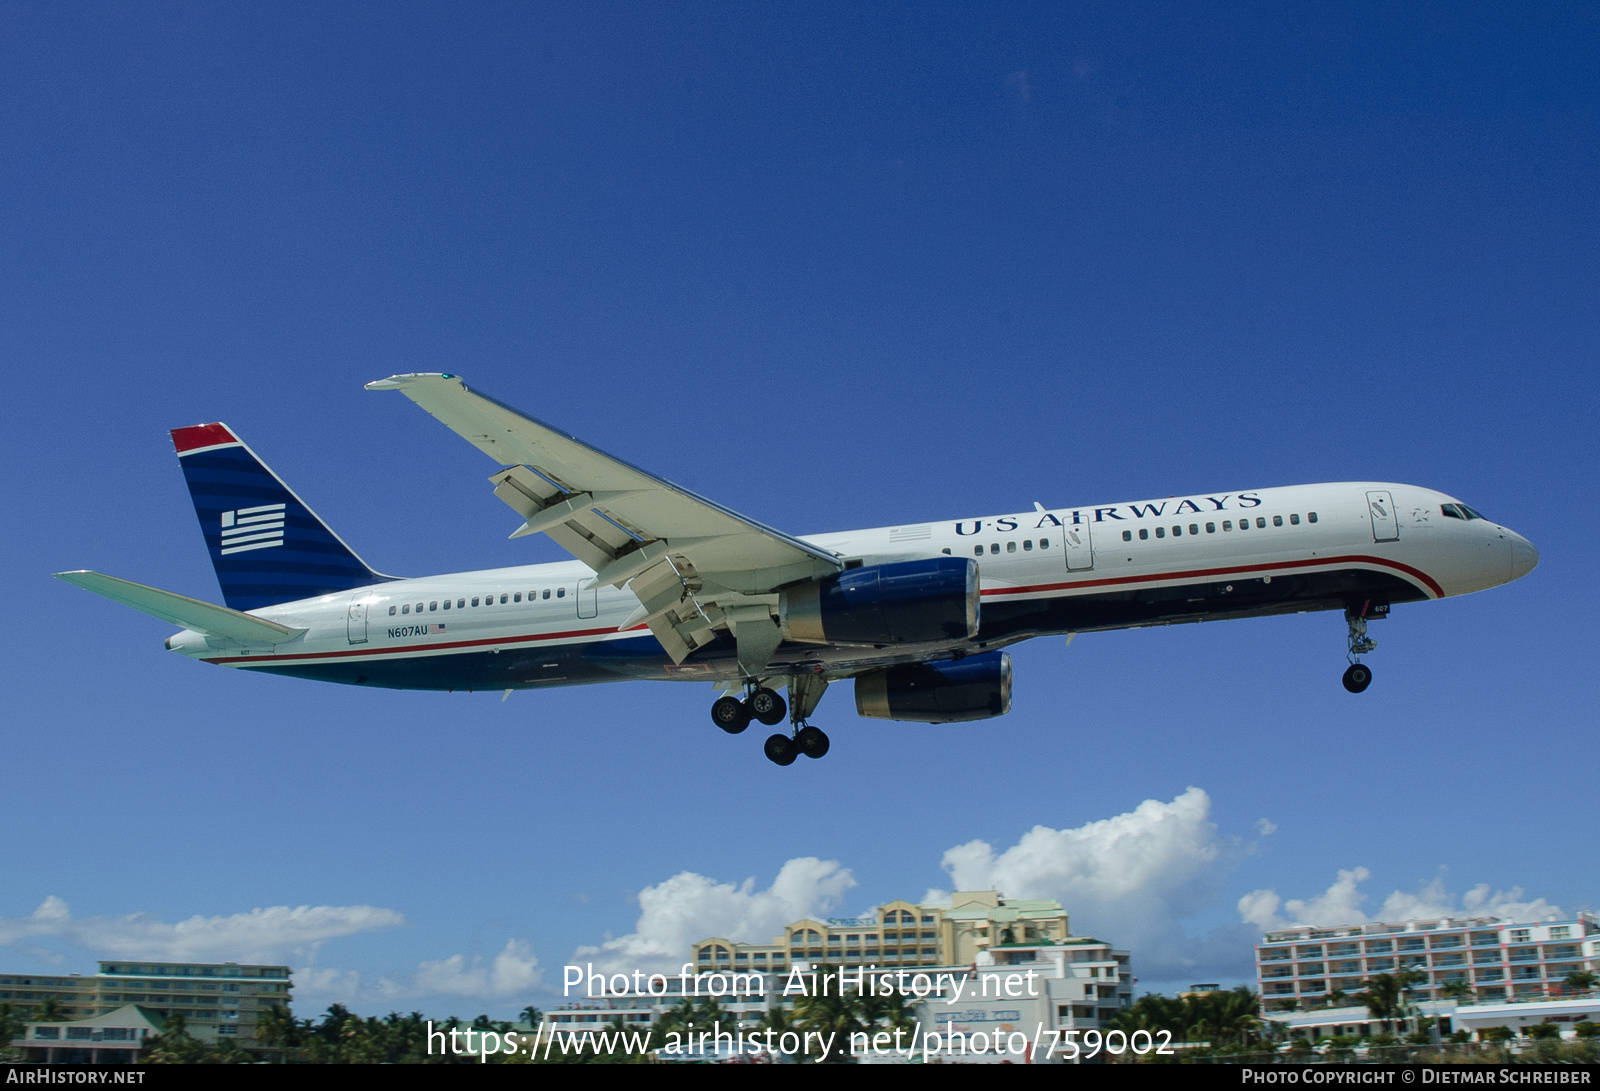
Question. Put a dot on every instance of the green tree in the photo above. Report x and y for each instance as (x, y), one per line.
(1383, 998)
(1542, 1030)
(175, 1045)
(49, 1011)
(12, 1025)
(1457, 990)
(830, 1014)
(1580, 981)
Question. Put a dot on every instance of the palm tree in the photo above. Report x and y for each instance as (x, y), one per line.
(532, 1015)
(1457, 990)
(49, 1011)
(1383, 998)
(1580, 980)
(827, 1015)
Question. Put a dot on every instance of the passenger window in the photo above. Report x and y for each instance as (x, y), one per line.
(433, 606)
(1177, 532)
(1044, 543)
(1277, 520)
(945, 551)
(1244, 524)
(1144, 534)
(1294, 520)
(1261, 522)
(461, 604)
(1161, 532)
(1127, 536)
(447, 604)
(474, 600)
(977, 550)
(561, 592)
(1211, 528)
(1011, 547)
(1311, 517)
(419, 607)
(994, 547)
(406, 609)
(502, 600)
(1193, 529)
(546, 593)
(391, 611)
(1027, 545)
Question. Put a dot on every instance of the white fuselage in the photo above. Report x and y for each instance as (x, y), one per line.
(1056, 570)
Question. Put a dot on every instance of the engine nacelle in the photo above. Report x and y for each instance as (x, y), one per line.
(946, 692)
(909, 602)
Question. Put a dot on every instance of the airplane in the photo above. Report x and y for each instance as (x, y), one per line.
(665, 584)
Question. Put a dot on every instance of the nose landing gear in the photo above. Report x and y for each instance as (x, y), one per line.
(1358, 676)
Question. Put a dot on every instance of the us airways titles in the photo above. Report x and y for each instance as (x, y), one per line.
(1154, 509)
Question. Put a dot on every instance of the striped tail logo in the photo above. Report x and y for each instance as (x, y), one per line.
(252, 528)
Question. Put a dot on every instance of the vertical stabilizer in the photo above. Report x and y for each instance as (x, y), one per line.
(266, 544)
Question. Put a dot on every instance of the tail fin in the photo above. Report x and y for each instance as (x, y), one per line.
(266, 544)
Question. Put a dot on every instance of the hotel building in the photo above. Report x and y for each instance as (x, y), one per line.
(1498, 960)
(216, 1001)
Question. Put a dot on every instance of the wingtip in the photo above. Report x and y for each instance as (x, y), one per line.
(395, 382)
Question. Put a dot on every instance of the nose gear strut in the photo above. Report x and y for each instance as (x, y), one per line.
(1358, 676)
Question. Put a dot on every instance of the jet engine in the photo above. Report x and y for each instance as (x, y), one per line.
(909, 602)
(944, 692)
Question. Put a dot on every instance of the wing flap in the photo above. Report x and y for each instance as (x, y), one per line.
(624, 523)
(202, 617)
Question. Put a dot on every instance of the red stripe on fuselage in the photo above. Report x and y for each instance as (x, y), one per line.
(356, 652)
(1207, 573)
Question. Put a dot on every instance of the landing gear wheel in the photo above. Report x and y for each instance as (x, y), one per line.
(811, 741)
(730, 714)
(780, 750)
(1358, 677)
(767, 706)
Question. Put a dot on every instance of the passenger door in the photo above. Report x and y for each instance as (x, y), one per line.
(1385, 527)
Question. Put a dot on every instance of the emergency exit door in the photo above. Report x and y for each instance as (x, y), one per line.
(357, 624)
(1080, 547)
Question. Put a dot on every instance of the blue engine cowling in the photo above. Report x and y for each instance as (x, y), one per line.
(909, 602)
(945, 692)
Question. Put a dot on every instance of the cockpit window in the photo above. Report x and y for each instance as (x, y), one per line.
(1460, 511)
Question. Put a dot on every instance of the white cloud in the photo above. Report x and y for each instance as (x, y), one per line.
(690, 907)
(274, 934)
(1130, 879)
(1341, 904)
(513, 974)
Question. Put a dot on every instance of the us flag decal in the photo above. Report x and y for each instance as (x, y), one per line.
(252, 528)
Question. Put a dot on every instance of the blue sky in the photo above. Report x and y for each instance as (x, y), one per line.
(833, 268)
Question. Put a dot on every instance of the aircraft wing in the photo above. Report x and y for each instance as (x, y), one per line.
(695, 565)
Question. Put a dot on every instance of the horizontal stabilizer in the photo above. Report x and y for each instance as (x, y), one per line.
(202, 617)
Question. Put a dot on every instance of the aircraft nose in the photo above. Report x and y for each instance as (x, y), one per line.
(1523, 556)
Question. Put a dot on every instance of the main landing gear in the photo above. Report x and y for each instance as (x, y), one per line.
(808, 740)
(760, 703)
(734, 715)
(1359, 676)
